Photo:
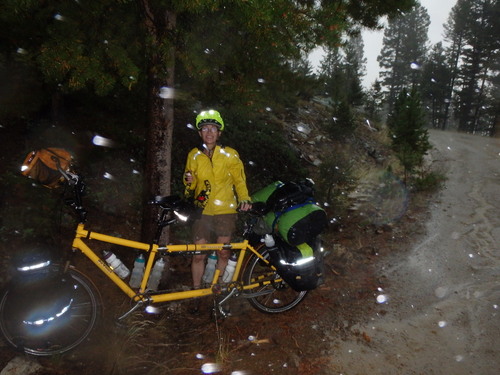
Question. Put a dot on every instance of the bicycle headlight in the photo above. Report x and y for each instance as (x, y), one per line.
(181, 216)
(186, 211)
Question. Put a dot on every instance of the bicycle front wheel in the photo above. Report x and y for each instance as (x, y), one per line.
(273, 295)
(50, 316)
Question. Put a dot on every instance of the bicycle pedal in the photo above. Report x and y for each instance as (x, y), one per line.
(224, 312)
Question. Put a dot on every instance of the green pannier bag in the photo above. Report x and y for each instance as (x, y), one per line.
(295, 222)
(298, 221)
(302, 224)
(298, 224)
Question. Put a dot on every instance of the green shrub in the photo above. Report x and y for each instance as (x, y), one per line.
(335, 181)
(342, 123)
(430, 182)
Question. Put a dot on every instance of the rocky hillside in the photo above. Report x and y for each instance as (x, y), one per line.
(356, 167)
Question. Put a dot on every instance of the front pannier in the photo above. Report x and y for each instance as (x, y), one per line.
(42, 166)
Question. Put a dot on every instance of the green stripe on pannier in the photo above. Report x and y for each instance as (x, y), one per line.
(263, 194)
(301, 224)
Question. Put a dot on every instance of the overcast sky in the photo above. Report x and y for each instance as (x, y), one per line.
(438, 10)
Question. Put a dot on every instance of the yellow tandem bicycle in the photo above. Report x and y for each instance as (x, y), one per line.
(50, 308)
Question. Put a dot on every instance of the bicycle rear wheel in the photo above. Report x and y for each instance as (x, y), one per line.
(275, 297)
(50, 316)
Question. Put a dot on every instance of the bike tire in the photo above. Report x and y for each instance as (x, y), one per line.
(59, 332)
(277, 297)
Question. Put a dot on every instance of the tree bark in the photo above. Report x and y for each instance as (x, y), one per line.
(161, 68)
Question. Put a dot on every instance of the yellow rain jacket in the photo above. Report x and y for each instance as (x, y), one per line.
(219, 183)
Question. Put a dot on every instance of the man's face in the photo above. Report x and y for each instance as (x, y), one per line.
(209, 134)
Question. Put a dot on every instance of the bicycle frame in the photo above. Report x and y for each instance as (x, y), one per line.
(141, 295)
(167, 205)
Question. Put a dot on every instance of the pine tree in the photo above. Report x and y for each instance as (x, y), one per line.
(454, 35)
(342, 70)
(403, 52)
(374, 101)
(436, 76)
(472, 32)
(482, 48)
(410, 140)
(355, 69)
(333, 76)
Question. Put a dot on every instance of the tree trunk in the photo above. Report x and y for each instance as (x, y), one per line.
(456, 52)
(158, 169)
(480, 102)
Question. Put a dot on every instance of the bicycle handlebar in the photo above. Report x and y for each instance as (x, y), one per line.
(257, 209)
(168, 202)
(174, 202)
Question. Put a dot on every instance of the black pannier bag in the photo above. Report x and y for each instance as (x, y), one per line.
(42, 166)
(299, 270)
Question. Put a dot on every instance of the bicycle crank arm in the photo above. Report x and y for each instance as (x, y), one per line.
(224, 313)
(233, 292)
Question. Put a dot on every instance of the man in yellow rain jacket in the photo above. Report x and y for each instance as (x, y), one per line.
(215, 177)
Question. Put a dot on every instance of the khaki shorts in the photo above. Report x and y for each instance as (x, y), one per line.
(217, 225)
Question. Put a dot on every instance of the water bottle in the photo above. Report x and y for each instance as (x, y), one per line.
(155, 277)
(208, 275)
(116, 264)
(269, 240)
(229, 271)
(137, 271)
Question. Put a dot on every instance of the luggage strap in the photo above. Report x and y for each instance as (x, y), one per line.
(279, 213)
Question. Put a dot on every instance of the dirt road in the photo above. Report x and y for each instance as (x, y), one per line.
(441, 314)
